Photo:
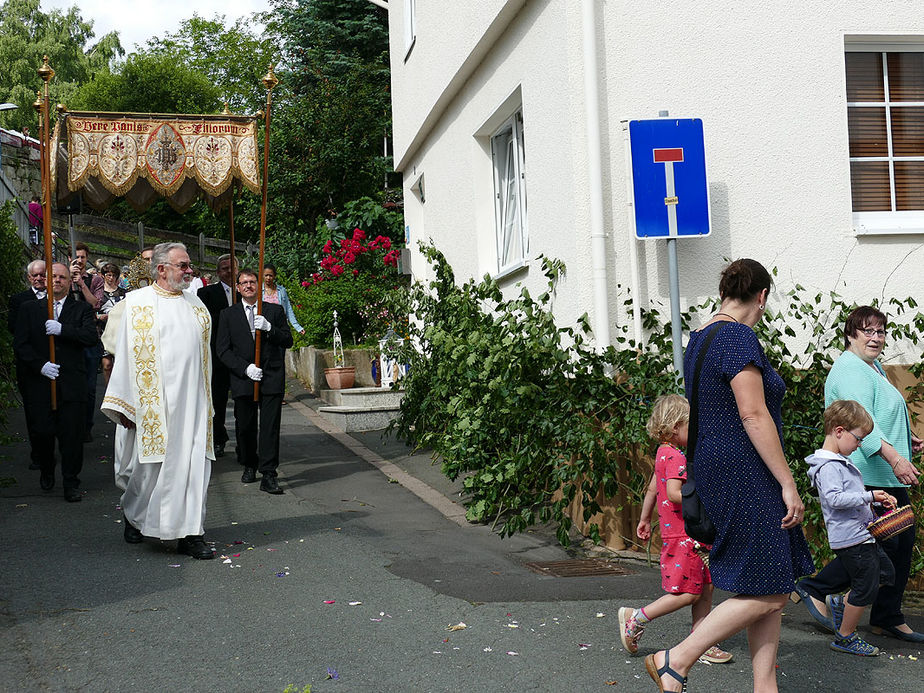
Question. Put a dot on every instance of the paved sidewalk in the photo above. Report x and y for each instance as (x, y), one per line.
(359, 568)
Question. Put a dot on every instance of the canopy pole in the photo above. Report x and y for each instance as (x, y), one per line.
(233, 255)
(269, 81)
(227, 112)
(42, 105)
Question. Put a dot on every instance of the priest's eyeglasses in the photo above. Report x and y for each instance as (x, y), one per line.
(182, 266)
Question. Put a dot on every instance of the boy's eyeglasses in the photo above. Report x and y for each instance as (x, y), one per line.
(859, 439)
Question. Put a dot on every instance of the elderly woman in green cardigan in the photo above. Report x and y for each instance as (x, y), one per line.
(884, 460)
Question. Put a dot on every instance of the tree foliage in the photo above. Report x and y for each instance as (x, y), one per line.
(332, 110)
(26, 34)
(11, 281)
(233, 57)
(149, 83)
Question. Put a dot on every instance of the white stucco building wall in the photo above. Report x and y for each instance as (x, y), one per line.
(768, 81)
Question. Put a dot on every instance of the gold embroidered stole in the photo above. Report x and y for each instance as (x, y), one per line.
(147, 384)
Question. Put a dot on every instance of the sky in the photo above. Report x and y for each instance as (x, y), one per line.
(137, 21)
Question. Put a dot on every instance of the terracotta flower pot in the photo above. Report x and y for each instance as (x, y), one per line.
(340, 378)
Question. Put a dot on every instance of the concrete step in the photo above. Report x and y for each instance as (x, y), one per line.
(363, 397)
(350, 419)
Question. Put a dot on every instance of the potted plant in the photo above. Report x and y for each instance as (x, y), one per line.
(339, 377)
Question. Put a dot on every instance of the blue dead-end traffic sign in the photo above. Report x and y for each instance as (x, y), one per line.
(670, 191)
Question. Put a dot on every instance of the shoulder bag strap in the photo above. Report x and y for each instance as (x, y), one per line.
(693, 427)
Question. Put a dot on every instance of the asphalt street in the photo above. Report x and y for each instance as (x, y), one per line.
(358, 578)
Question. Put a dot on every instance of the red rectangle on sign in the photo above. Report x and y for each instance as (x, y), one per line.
(664, 155)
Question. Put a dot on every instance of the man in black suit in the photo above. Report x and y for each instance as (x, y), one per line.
(74, 329)
(35, 272)
(216, 298)
(236, 329)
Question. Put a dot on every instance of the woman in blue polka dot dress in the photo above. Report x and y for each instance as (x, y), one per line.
(745, 485)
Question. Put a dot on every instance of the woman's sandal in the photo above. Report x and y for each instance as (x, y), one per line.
(656, 673)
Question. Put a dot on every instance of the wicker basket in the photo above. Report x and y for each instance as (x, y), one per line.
(892, 523)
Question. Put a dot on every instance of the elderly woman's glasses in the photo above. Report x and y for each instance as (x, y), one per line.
(870, 332)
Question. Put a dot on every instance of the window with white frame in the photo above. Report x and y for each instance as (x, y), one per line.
(509, 161)
(885, 120)
(410, 24)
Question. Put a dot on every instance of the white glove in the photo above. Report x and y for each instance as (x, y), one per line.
(261, 323)
(254, 373)
(51, 370)
(52, 327)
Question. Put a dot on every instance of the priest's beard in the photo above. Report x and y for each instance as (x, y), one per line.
(180, 284)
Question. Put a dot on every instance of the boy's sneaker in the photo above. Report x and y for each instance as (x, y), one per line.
(835, 604)
(630, 630)
(854, 644)
(716, 655)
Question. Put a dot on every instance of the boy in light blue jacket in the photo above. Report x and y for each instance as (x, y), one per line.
(845, 503)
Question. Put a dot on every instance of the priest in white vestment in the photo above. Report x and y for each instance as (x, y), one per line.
(159, 392)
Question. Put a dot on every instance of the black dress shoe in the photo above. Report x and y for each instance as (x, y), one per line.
(47, 481)
(194, 546)
(249, 475)
(72, 495)
(269, 484)
(220, 450)
(132, 534)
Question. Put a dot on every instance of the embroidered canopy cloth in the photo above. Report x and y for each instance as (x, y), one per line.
(144, 156)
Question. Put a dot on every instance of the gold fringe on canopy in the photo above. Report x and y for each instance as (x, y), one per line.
(144, 156)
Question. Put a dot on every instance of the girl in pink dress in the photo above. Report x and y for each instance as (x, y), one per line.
(684, 576)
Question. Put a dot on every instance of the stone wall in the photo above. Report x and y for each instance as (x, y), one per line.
(21, 170)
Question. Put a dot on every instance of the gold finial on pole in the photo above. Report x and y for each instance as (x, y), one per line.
(227, 110)
(39, 103)
(45, 71)
(61, 108)
(269, 79)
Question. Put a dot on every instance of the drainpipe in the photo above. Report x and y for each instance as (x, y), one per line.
(601, 320)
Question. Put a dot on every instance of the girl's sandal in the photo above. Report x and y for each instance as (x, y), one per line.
(656, 673)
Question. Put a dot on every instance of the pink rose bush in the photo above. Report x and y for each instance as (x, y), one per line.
(357, 277)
